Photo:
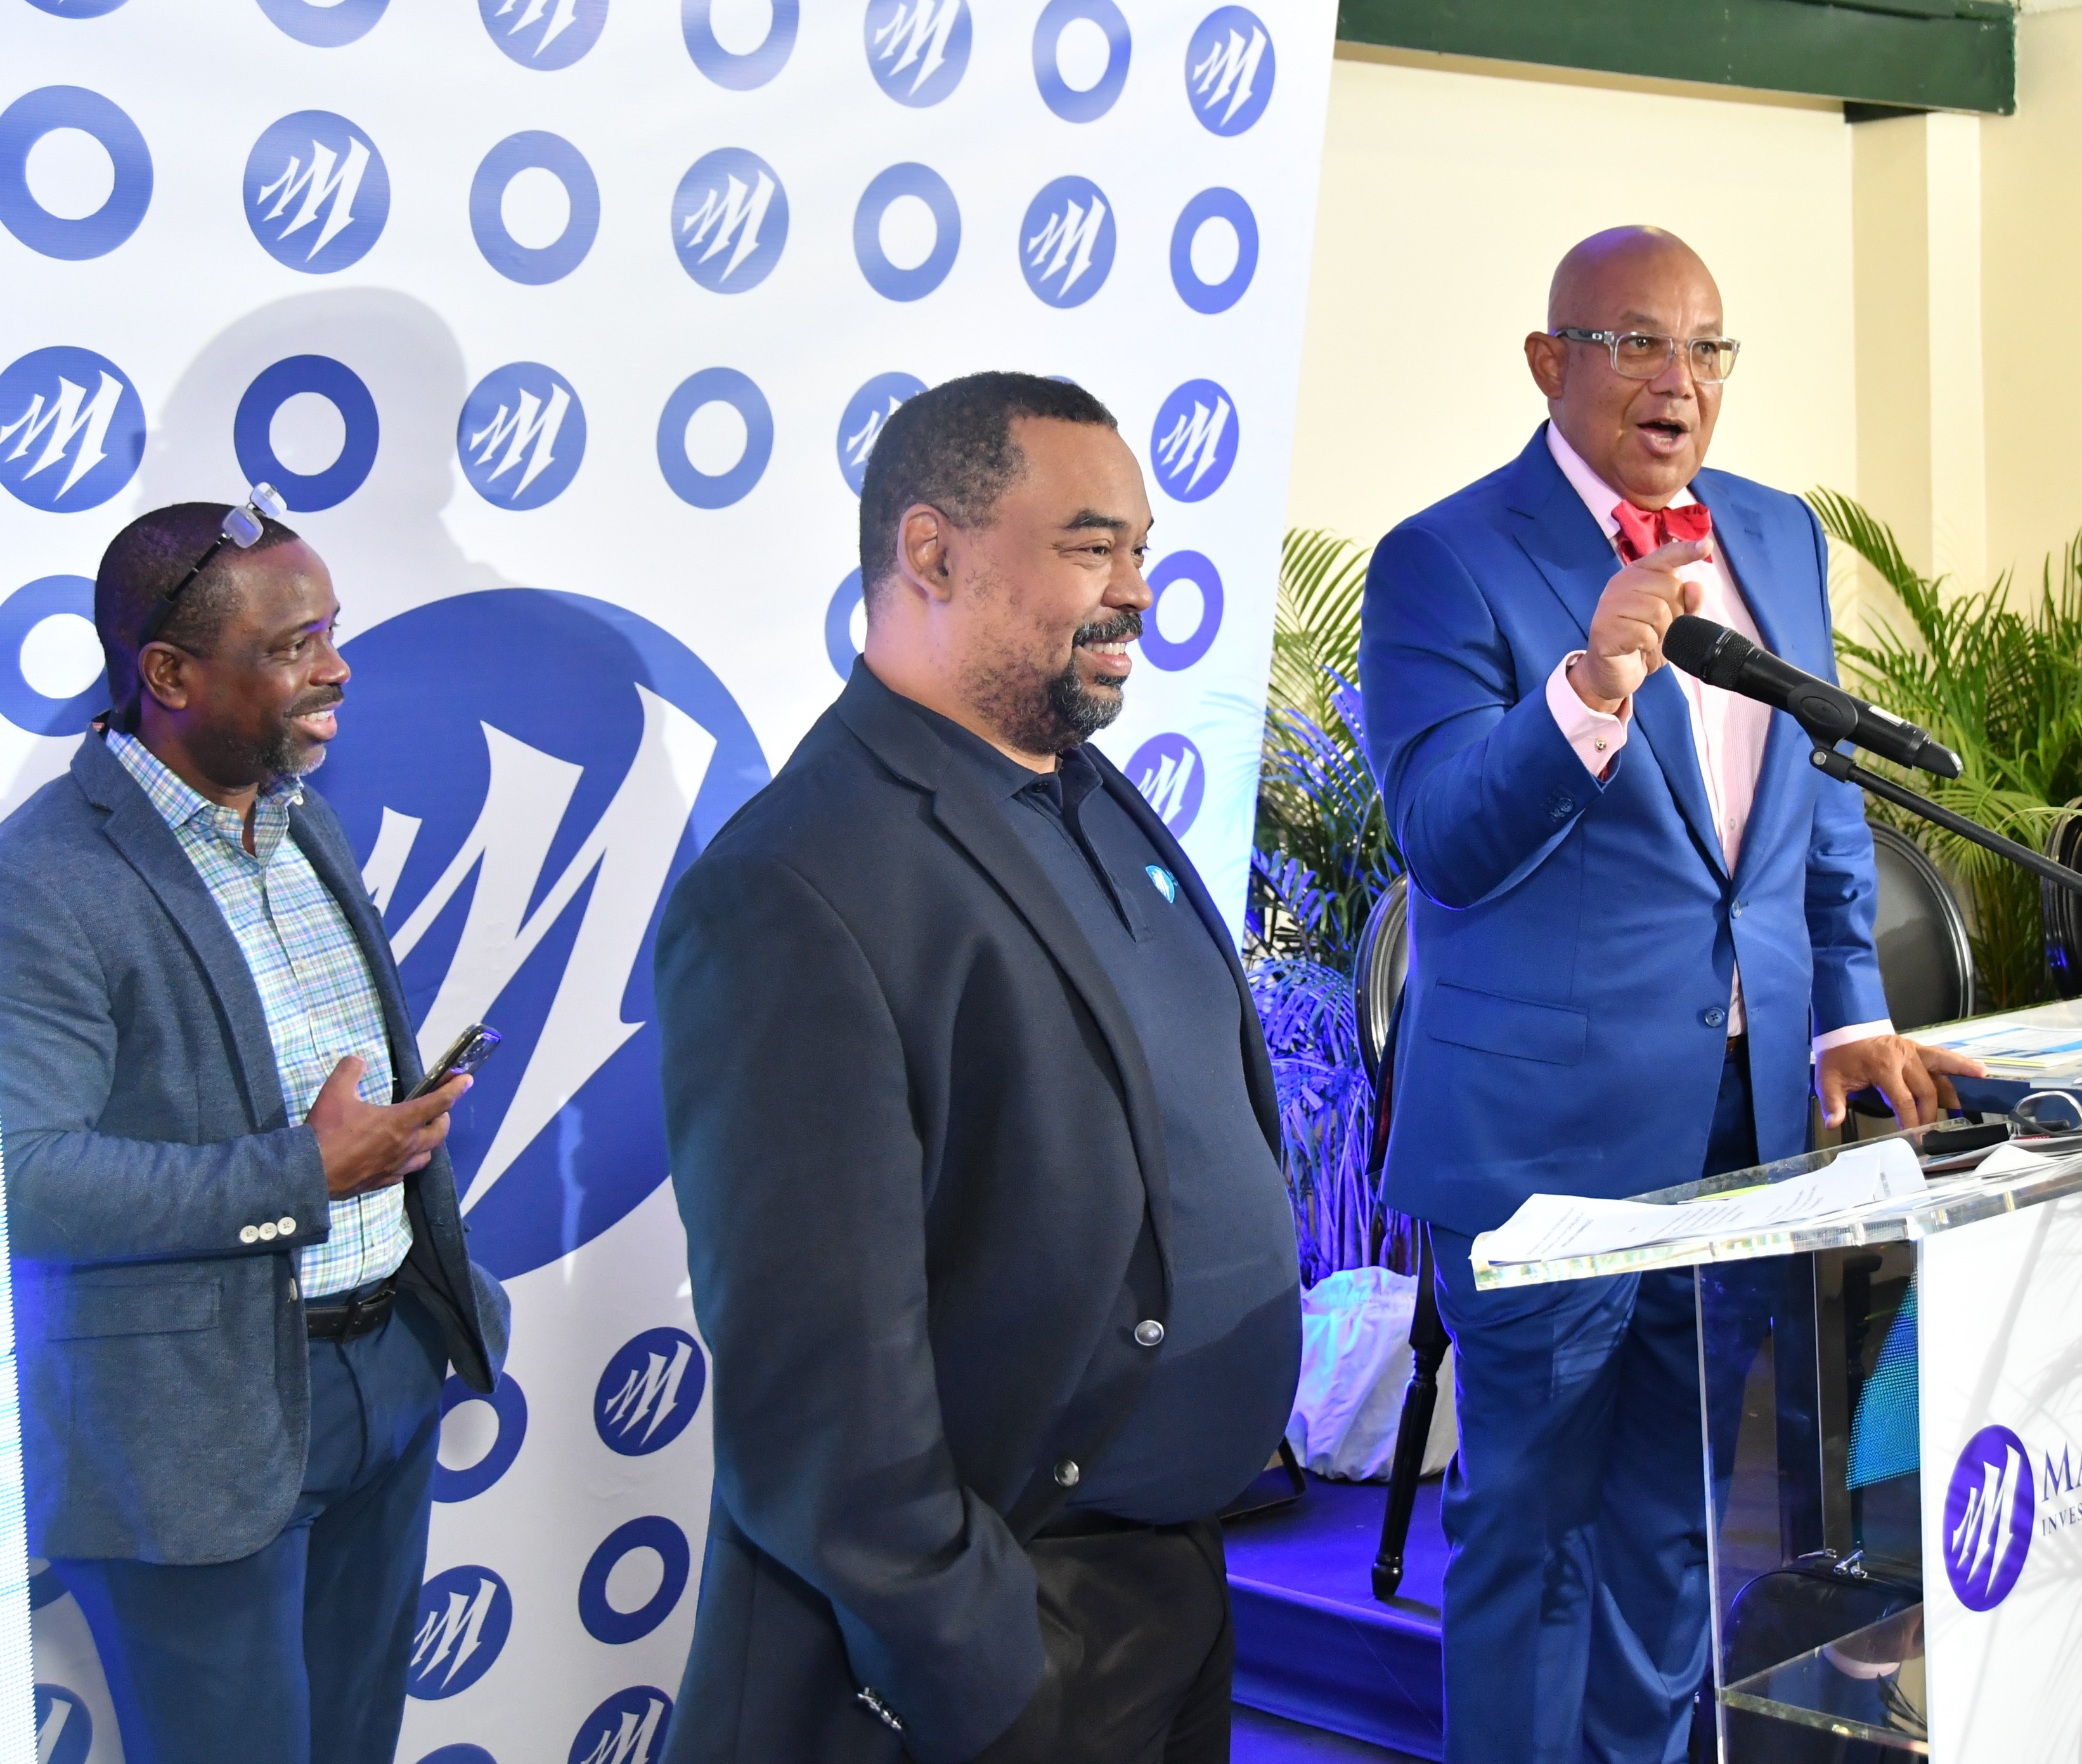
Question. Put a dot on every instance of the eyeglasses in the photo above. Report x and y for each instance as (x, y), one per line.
(242, 527)
(1640, 355)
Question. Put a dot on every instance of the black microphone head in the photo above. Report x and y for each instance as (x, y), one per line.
(1690, 642)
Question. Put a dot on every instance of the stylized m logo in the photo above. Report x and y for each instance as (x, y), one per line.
(1981, 1540)
(916, 35)
(860, 444)
(1163, 785)
(562, 14)
(327, 176)
(1063, 246)
(451, 1634)
(1192, 443)
(1227, 71)
(533, 421)
(735, 214)
(626, 858)
(630, 1742)
(649, 1395)
(63, 422)
(52, 1729)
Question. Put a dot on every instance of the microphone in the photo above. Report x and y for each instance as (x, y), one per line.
(1727, 659)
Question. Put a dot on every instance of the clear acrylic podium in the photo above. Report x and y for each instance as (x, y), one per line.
(1889, 1387)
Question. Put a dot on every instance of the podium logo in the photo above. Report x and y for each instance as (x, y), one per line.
(1228, 70)
(1168, 771)
(649, 1392)
(917, 49)
(1066, 242)
(72, 429)
(546, 34)
(1988, 1510)
(316, 192)
(1194, 443)
(628, 1729)
(65, 1731)
(730, 220)
(521, 436)
(860, 426)
(464, 1617)
(532, 773)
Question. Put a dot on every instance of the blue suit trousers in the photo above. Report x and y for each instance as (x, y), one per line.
(298, 1653)
(1577, 1600)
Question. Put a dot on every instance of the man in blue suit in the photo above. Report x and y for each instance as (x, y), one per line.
(240, 1275)
(1636, 909)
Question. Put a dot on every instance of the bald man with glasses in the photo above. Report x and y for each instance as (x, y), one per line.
(1639, 913)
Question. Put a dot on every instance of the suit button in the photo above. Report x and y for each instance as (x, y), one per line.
(1066, 1473)
(250, 1234)
(1148, 1332)
(1735, 911)
(286, 1226)
(1713, 1016)
(268, 1232)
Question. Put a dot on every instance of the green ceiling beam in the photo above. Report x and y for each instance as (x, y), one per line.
(1958, 55)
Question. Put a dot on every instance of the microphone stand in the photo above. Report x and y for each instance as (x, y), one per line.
(1841, 766)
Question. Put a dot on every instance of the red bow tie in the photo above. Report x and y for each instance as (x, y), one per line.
(1644, 530)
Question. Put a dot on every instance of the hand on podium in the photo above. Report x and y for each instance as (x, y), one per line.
(1910, 1074)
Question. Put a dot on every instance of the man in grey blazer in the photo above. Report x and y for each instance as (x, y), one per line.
(240, 1269)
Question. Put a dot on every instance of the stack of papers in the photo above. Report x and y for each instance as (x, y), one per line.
(1555, 1227)
(2021, 1050)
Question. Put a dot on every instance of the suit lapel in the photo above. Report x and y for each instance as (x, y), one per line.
(134, 827)
(334, 867)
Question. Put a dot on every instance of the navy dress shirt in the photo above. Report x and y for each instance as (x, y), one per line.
(1224, 1380)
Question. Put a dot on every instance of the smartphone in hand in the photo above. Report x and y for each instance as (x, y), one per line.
(469, 1051)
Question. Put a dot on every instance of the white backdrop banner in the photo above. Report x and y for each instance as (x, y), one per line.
(567, 327)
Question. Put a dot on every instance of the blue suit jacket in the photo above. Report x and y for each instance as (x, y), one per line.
(165, 1377)
(1573, 941)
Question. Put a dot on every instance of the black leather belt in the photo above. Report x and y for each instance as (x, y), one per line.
(358, 1314)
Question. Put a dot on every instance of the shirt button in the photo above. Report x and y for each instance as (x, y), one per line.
(1713, 1016)
(1149, 1331)
(267, 1233)
(286, 1226)
(1066, 1473)
(1599, 743)
(250, 1234)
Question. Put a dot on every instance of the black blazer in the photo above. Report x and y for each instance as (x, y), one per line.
(915, 1143)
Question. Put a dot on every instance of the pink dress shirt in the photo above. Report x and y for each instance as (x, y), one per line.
(1728, 731)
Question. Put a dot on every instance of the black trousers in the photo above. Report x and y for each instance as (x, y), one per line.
(1135, 1619)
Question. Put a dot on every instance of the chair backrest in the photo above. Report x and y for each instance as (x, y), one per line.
(1926, 962)
(1379, 971)
(2060, 911)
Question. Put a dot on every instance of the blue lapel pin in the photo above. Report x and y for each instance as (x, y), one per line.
(1163, 881)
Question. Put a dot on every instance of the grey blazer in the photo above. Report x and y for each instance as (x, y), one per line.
(165, 1382)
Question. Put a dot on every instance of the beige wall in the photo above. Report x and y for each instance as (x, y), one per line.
(1449, 190)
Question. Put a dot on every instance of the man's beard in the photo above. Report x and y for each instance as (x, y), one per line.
(1048, 714)
(286, 754)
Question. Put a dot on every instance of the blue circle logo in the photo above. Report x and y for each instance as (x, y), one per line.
(710, 456)
(252, 431)
(739, 67)
(628, 1729)
(860, 426)
(1988, 1509)
(1194, 443)
(76, 9)
(72, 429)
(649, 1391)
(838, 625)
(65, 1731)
(459, 1755)
(1214, 251)
(730, 221)
(543, 34)
(891, 225)
(47, 629)
(532, 773)
(1081, 55)
(603, 1619)
(534, 149)
(1066, 241)
(917, 50)
(316, 192)
(1202, 583)
(507, 1408)
(92, 232)
(325, 24)
(1228, 70)
(464, 1617)
(1168, 771)
(521, 436)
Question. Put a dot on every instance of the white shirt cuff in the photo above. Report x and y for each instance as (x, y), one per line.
(1851, 1031)
(1596, 735)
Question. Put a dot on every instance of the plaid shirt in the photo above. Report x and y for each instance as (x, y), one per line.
(313, 982)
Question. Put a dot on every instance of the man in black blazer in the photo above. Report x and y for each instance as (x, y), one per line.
(974, 1134)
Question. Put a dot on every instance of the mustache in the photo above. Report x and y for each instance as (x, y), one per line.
(322, 700)
(1122, 628)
